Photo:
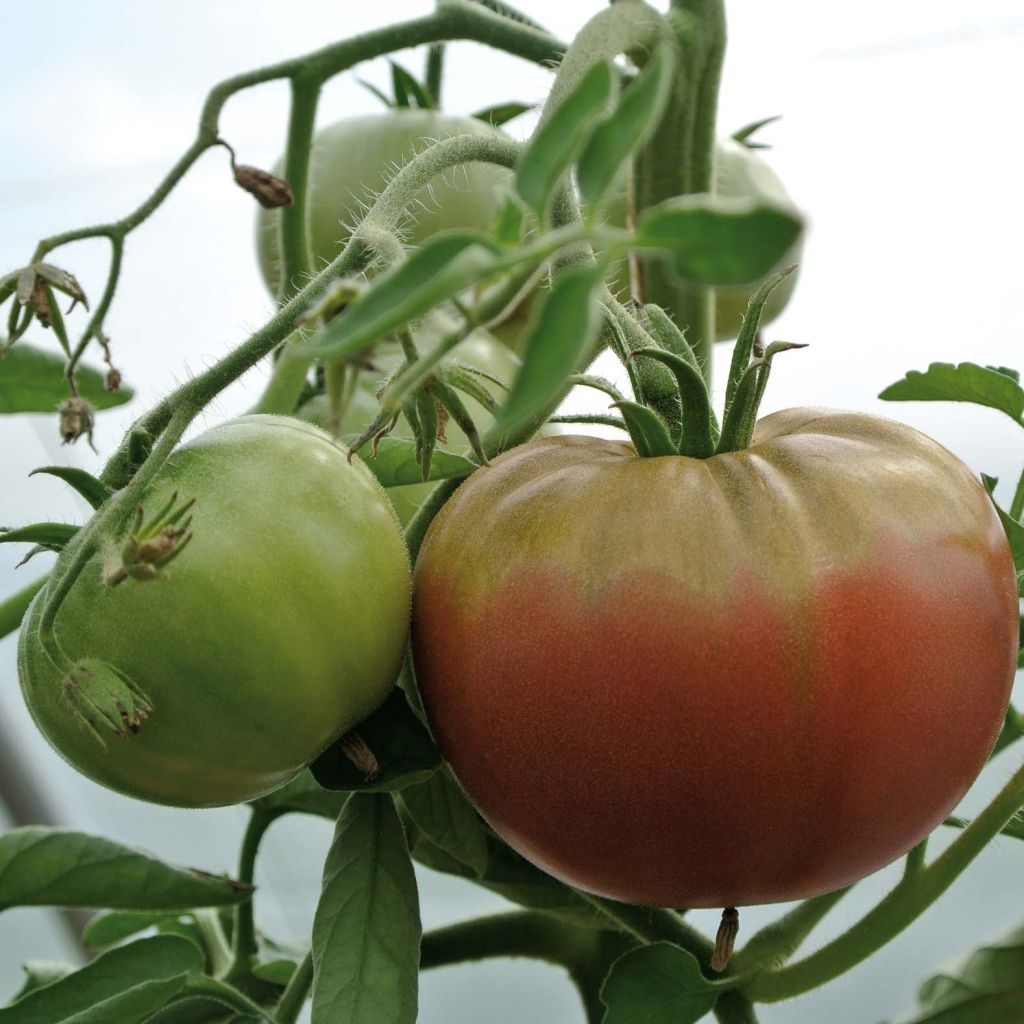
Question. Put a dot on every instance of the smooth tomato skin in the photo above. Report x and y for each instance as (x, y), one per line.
(743, 680)
(480, 351)
(351, 162)
(280, 627)
(739, 173)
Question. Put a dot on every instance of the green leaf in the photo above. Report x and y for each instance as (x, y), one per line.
(1014, 530)
(699, 425)
(407, 89)
(647, 430)
(52, 536)
(444, 266)
(719, 240)
(559, 330)
(656, 984)
(59, 868)
(303, 795)
(985, 986)
(366, 933)
(123, 986)
(556, 142)
(32, 380)
(379, 93)
(441, 811)
(94, 491)
(277, 972)
(502, 113)
(39, 973)
(745, 134)
(619, 135)
(507, 227)
(114, 926)
(395, 463)
(405, 752)
(965, 382)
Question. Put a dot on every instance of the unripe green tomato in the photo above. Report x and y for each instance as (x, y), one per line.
(708, 683)
(479, 351)
(352, 161)
(278, 628)
(739, 173)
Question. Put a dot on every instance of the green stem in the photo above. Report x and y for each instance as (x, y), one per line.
(13, 608)
(679, 159)
(244, 932)
(296, 993)
(297, 264)
(903, 905)
(734, 1008)
(208, 922)
(287, 379)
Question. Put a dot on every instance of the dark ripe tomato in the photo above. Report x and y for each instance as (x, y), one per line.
(280, 627)
(352, 161)
(741, 680)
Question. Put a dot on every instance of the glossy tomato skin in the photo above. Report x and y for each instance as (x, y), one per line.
(351, 162)
(279, 627)
(743, 680)
(480, 351)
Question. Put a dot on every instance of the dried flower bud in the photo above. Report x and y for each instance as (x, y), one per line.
(39, 302)
(77, 418)
(269, 190)
(113, 382)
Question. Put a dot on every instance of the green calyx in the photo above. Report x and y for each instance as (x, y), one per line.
(106, 699)
(153, 544)
(694, 431)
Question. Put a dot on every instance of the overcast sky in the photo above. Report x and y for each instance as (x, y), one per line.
(900, 139)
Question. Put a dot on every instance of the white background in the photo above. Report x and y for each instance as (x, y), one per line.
(901, 140)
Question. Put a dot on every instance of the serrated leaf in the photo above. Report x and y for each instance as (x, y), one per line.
(59, 868)
(403, 747)
(441, 811)
(656, 984)
(985, 986)
(647, 430)
(52, 536)
(94, 491)
(112, 926)
(32, 380)
(502, 113)
(449, 262)
(619, 135)
(559, 331)
(963, 382)
(719, 240)
(123, 986)
(366, 933)
(395, 463)
(556, 142)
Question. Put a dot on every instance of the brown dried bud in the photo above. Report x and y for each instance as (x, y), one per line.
(39, 302)
(113, 379)
(725, 940)
(269, 190)
(359, 753)
(77, 418)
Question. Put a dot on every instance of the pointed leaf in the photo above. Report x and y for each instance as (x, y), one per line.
(559, 331)
(1014, 529)
(113, 926)
(502, 113)
(123, 986)
(94, 491)
(32, 380)
(745, 134)
(555, 144)
(442, 812)
(401, 744)
(699, 426)
(395, 463)
(965, 382)
(656, 984)
(444, 266)
(719, 240)
(52, 536)
(379, 93)
(647, 429)
(407, 89)
(366, 933)
(59, 868)
(619, 135)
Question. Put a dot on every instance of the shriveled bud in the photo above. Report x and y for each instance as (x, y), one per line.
(113, 382)
(270, 191)
(39, 303)
(77, 419)
(152, 544)
(359, 753)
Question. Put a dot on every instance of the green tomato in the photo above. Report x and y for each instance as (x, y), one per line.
(352, 161)
(479, 351)
(279, 628)
(740, 173)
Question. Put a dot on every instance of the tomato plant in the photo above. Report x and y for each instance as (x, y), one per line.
(699, 696)
(270, 638)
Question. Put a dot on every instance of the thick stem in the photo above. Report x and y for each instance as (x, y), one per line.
(13, 608)
(903, 905)
(296, 993)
